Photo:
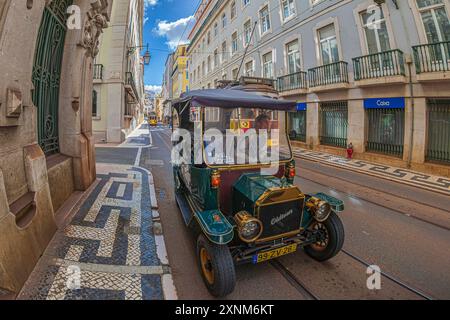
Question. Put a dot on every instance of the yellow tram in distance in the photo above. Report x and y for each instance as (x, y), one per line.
(152, 119)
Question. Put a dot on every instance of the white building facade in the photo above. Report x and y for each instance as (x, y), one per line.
(118, 96)
(375, 74)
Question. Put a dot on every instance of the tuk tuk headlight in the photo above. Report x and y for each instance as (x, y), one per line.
(320, 209)
(249, 227)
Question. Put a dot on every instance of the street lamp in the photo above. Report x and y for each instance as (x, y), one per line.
(146, 56)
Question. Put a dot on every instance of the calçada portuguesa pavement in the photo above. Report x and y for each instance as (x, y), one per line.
(110, 245)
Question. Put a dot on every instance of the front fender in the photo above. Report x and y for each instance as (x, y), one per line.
(336, 205)
(215, 226)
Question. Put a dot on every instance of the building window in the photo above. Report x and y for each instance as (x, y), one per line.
(328, 45)
(247, 32)
(375, 31)
(224, 20)
(267, 65)
(438, 143)
(203, 68)
(293, 57)
(334, 123)
(216, 30)
(233, 10)
(216, 59)
(234, 43)
(208, 38)
(224, 76)
(264, 19)
(209, 64)
(245, 2)
(224, 51)
(94, 103)
(234, 73)
(288, 8)
(386, 130)
(212, 114)
(435, 20)
(249, 72)
(297, 125)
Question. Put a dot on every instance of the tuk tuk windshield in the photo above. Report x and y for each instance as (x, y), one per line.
(243, 136)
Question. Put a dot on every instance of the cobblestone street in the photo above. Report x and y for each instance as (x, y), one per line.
(113, 242)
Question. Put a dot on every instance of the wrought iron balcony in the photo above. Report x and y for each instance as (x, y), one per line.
(98, 72)
(383, 64)
(293, 81)
(329, 74)
(433, 57)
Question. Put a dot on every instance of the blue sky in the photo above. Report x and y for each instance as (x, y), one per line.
(165, 21)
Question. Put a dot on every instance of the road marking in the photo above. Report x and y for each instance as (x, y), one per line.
(169, 290)
(108, 268)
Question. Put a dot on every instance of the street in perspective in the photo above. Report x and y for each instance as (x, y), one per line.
(237, 150)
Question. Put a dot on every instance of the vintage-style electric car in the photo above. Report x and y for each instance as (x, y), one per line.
(239, 212)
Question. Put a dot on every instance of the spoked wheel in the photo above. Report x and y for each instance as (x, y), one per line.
(332, 239)
(216, 266)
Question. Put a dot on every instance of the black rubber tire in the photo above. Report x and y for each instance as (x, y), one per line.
(222, 265)
(336, 238)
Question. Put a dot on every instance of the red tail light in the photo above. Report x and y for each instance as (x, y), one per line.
(215, 180)
(291, 172)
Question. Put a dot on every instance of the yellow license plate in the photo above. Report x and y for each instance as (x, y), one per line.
(275, 253)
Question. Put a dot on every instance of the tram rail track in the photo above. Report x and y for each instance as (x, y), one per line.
(372, 188)
(376, 203)
(294, 280)
(309, 294)
(390, 277)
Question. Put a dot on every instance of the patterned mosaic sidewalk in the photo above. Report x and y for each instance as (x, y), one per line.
(416, 179)
(113, 247)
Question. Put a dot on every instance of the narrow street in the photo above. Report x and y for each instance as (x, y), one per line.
(132, 263)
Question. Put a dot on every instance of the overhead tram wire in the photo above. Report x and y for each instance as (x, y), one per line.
(187, 24)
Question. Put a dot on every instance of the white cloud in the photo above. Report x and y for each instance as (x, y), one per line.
(153, 88)
(150, 3)
(173, 31)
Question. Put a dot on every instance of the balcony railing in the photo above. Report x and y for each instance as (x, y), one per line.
(432, 57)
(292, 81)
(383, 64)
(98, 71)
(328, 74)
(129, 80)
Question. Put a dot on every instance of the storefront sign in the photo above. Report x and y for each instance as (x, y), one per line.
(384, 103)
(301, 106)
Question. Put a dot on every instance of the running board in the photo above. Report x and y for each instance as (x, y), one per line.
(185, 209)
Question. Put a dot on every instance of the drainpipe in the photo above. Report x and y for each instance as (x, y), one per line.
(409, 62)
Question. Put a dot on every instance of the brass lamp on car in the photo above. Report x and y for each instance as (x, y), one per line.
(249, 227)
(320, 209)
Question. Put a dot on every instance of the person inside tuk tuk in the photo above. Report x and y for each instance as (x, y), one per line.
(262, 121)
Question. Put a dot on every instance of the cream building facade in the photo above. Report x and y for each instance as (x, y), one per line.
(46, 143)
(118, 95)
(180, 78)
(375, 74)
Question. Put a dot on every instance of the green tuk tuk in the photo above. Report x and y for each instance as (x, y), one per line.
(244, 208)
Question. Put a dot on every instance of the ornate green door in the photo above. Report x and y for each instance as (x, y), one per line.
(47, 73)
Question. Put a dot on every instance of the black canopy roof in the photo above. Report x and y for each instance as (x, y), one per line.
(227, 98)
